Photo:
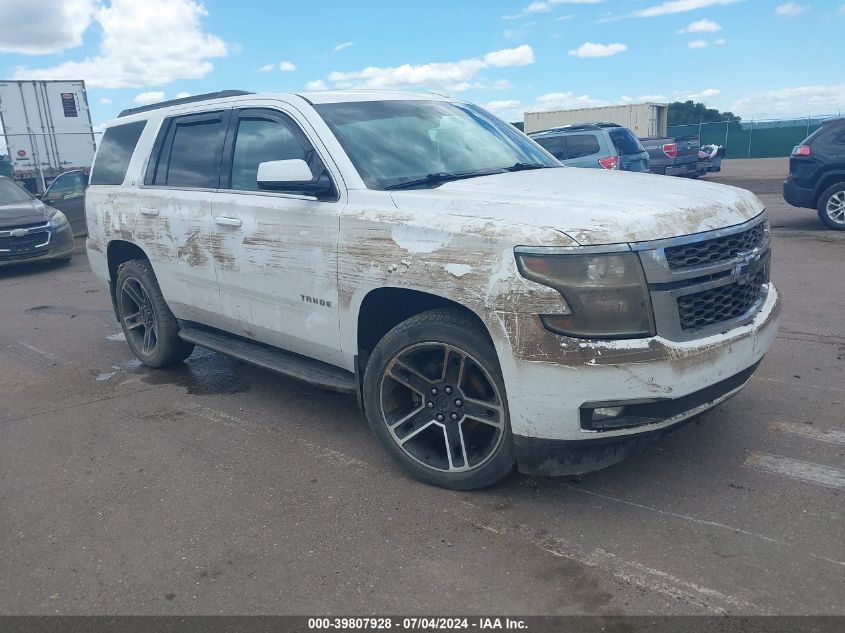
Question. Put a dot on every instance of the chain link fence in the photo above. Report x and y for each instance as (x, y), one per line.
(35, 159)
(767, 138)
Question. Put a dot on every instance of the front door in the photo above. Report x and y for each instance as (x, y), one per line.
(67, 194)
(276, 252)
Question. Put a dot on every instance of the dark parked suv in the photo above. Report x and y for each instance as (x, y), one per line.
(817, 174)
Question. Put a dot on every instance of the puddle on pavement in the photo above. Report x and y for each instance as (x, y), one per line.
(68, 311)
(204, 373)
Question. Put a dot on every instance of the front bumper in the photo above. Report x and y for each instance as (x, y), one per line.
(35, 244)
(551, 380)
(536, 456)
(798, 196)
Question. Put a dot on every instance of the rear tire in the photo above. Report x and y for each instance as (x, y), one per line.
(148, 324)
(831, 207)
(435, 398)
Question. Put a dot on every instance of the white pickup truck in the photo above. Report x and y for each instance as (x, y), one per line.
(490, 307)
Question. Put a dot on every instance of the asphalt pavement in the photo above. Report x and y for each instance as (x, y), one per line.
(220, 488)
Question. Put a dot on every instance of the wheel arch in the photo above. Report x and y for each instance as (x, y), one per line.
(384, 308)
(118, 252)
(827, 180)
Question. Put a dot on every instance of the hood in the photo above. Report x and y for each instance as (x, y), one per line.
(591, 206)
(23, 213)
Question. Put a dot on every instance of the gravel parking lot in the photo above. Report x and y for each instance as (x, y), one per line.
(217, 487)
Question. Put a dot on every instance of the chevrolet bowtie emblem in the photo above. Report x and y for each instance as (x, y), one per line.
(18, 232)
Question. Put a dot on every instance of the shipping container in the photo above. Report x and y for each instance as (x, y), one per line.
(645, 119)
(47, 129)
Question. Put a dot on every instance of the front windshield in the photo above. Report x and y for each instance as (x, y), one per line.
(10, 193)
(392, 143)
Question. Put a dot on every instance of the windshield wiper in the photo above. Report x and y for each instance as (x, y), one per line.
(438, 178)
(525, 166)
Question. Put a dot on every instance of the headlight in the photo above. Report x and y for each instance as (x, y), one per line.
(606, 293)
(58, 219)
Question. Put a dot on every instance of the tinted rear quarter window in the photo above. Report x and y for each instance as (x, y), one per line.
(115, 152)
(578, 145)
(625, 142)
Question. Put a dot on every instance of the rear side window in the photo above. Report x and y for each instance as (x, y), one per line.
(625, 142)
(188, 152)
(554, 145)
(578, 145)
(115, 152)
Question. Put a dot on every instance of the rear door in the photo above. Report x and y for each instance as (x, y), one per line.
(276, 252)
(632, 154)
(175, 226)
(583, 150)
(67, 194)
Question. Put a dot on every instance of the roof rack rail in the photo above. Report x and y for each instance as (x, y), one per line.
(172, 102)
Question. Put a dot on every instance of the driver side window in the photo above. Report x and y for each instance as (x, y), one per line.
(260, 140)
(70, 185)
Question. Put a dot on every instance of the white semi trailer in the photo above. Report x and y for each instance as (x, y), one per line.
(47, 129)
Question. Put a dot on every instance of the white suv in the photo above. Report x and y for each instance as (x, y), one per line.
(488, 306)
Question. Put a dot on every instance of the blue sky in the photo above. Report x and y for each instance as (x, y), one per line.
(760, 58)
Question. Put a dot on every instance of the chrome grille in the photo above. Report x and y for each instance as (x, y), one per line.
(721, 304)
(708, 283)
(714, 250)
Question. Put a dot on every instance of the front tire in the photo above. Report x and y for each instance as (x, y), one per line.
(831, 207)
(435, 398)
(148, 324)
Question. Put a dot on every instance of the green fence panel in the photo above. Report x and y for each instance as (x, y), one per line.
(751, 139)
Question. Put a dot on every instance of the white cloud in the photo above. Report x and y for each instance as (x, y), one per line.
(544, 6)
(720, 41)
(704, 95)
(340, 47)
(507, 109)
(146, 98)
(589, 49)
(48, 26)
(285, 67)
(842, 10)
(792, 102)
(149, 43)
(790, 9)
(519, 56)
(697, 44)
(701, 26)
(104, 101)
(455, 76)
(679, 6)
(182, 95)
(317, 84)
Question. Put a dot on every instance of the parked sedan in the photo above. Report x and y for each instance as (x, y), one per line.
(30, 231)
(67, 194)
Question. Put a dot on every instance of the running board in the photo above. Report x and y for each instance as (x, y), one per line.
(308, 370)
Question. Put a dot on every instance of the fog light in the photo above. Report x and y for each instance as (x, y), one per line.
(606, 413)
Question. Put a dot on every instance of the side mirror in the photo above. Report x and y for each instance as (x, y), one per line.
(293, 176)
